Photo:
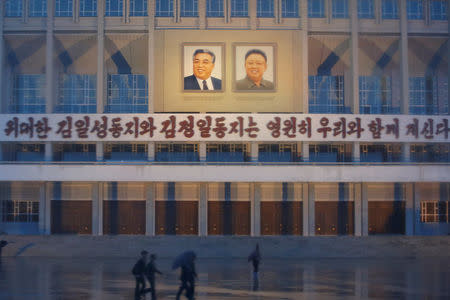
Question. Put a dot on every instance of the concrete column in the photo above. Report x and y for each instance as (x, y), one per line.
(404, 71)
(151, 57)
(48, 151)
(202, 14)
(126, 11)
(49, 62)
(151, 151)
(305, 208)
(150, 209)
(416, 207)
(252, 9)
(305, 151)
(311, 210)
(99, 151)
(448, 52)
(356, 153)
(255, 198)
(254, 152)
(358, 208)
(202, 151)
(409, 208)
(76, 11)
(97, 208)
(364, 210)
(354, 55)
(377, 9)
(303, 50)
(100, 56)
(3, 98)
(328, 11)
(203, 210)
(47, 208)
(42, 205)
(406, 152)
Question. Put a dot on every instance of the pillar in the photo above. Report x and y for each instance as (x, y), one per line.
(305, 208)
(47, 202)
(356, 153)
(254, 152)
(151, 58)
(202, 151)
(99, 151)
(364, 210)
(416, 206)
(311, 211)
(409, 209)
(448, 52)
(3, 98)
(203, 210)
(305, 151)
(48, 156)
(49, 72)
(151, 151)
(42, 206)
(303, 49)
(404, 72)
(255, 198)
(354, 55)
(100, 54)
(97, 208)
(358, 208)
(252, 9)
(150, 209)
(202, 14)
(406, 152)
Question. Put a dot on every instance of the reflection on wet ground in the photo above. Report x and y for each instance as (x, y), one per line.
(47, 278)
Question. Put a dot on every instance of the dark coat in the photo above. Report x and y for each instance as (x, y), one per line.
(151, 269)
(139, 268)
(191, 83)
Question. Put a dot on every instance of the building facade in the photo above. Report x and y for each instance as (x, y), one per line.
(101, 134)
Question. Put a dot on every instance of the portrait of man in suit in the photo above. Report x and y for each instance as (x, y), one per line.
(203, 63)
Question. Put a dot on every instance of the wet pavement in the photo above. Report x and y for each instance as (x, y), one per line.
(47, 278)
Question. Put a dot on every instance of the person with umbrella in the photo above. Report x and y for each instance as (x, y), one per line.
(186, 261)
(150, 271)
(138, 272)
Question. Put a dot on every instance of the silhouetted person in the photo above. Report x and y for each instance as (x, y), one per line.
(150, 272)
(3, 243)
(188, 275)
(255, 258)
(138, 272)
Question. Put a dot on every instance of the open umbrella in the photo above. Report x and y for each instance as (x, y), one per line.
(183, 259)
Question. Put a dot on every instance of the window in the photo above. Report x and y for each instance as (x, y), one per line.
(88, 8)
(289, 8)
(19, 211)
(113, 8)
(239, 8)
(430, 153)
(164, 8)
(138, 8)
(434, 211)
(375, 95)
(340, 9)
(316, 8)
(365, 9)
(439, 10)
(37, 8)
(127, 93)
(265, 9)
(389, 9)
(77, 94)
(122, 152)
(414, 9)
(189, 8)
(326, 94)
(423, 97)
(63, 8)
(28, 94)
(214, 8)
(13, 8)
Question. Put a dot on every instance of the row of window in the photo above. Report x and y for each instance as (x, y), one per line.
(17, 211)
(128, 93)
(239, 8)
(228, 153)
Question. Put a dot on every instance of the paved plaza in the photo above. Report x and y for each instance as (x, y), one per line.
(111, 278)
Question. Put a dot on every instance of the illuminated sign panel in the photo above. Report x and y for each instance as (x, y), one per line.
(223, 127)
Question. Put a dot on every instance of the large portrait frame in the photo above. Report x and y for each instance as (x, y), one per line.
(216, 82)
(247, 73)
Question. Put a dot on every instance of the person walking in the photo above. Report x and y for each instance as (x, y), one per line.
(188, 276)
(255, 259)
(150, 272)
(138, 272)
